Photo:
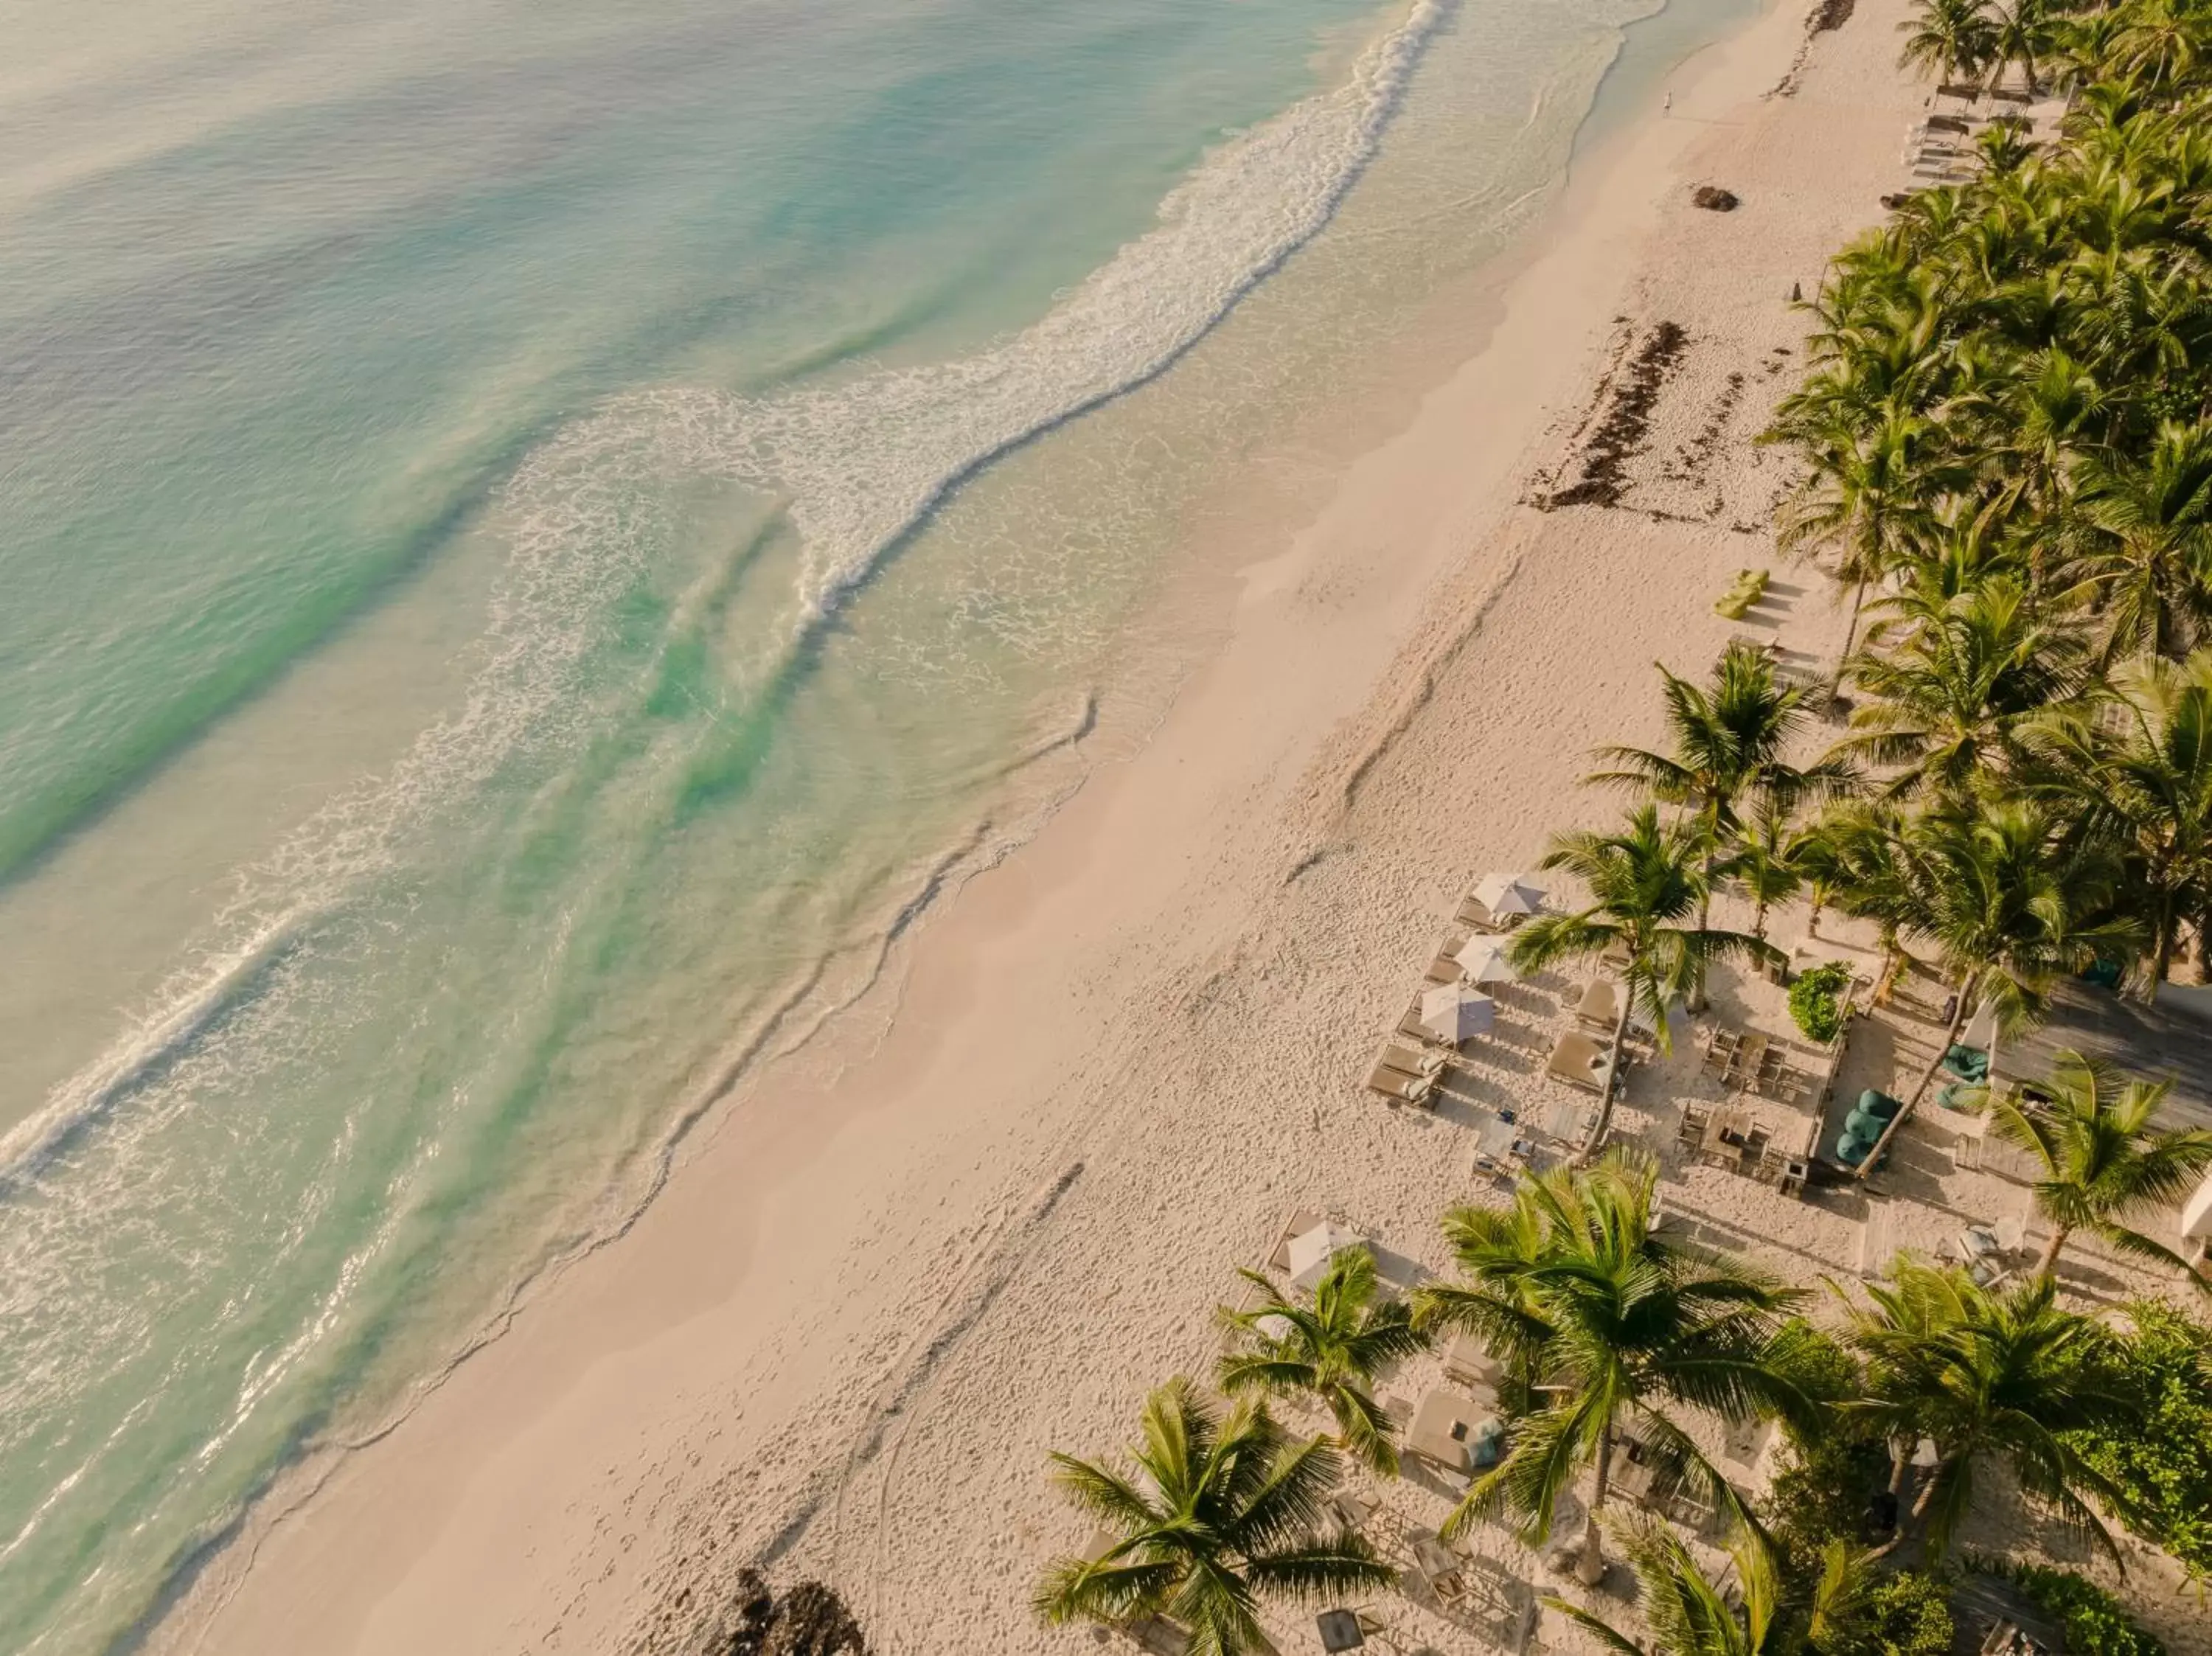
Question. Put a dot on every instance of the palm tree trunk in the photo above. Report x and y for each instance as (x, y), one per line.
(1967, 986)
(1612, 1073)
(1850, 637)
(1697, 1001)
(2161, 960)
(1590, 1568)
(2048, 1265)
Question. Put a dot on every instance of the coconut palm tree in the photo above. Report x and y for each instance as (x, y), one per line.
(1331, 1352)
(2137, 767)
(2099, 1156)
(1989, 1377)
(1952, 40)
(1763, 1613)
(1993, 884)
(2022, 32)
(1616, 1328)
(1644, 882)
(1762, 863)
(1958, 678)
(2160, 42)
(1729, 740)
(2147, 542)
(1871, 497)
(1219, 1514)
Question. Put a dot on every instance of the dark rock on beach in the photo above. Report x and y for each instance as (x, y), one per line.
(1714, 199)
(811, 1619)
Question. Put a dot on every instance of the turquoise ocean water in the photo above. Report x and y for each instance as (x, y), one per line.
(533, 535)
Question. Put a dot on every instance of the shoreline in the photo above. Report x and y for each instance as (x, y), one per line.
(511, 1456)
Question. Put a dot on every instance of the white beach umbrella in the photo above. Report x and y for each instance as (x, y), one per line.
(1455, 1015)
(1311, 1250)
(1509, 893)
(1483, 960)
(2196, 1211)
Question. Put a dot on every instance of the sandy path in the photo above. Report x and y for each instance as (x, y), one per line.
(863, 1311)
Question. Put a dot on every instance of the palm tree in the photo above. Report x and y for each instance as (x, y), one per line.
(1949, 38)
(1221, 1513)
(2149, 540)
(1613, 1327)
(1644, 883)
(1871, 496)
(1988, 1376)
(1766, 1614)
(1728, 741)
(1764, 863)
(1992, 884)
(1964, 674)
(1332, 1351)
(2099, 1158)
(2160, 41)
(2146, 788)
(2021, 32)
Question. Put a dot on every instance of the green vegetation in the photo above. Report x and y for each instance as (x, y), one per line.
(1643, 883)
(1222, 1512)
(1816, 1000)
(1907, 1614)
(2093, 1619)
(1572, 1289)
(1768, 1613)
(2099, 1159)
(1330, 1350)
(1989, 1377)
(2158, 1463)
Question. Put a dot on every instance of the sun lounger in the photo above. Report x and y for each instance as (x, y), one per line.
(1410, 1060)
(1472, 912)
(1580, 1062)
(1600, 1006)
(1404, 1089)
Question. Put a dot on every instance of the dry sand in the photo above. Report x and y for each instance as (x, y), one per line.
(846, 1337)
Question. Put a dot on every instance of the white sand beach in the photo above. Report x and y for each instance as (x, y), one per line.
(874, 1297)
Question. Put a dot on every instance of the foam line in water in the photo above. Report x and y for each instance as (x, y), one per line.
(222, 982)
(862, 463)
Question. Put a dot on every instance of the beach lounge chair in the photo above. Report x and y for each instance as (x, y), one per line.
(1600, 1006)
(1967, 1063)
(1402, 1088)
(1580, 1062)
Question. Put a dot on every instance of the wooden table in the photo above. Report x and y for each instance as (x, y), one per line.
(1721, 1130)
(1439, 1565)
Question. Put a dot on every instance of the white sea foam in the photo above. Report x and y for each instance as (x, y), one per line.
(860, 464)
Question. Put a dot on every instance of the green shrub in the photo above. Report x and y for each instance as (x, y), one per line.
(1826, 1479)
(2163, 1465)
(1815, 1001)
(1908, 1614)
(2095, 1621)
